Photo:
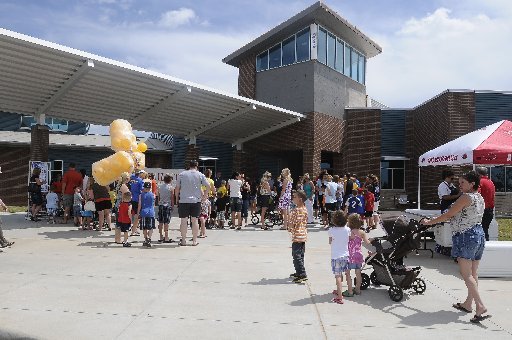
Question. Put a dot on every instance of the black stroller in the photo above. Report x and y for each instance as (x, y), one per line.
(272, 216)
(387, 261)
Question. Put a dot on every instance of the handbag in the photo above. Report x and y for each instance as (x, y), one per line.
(90, 206)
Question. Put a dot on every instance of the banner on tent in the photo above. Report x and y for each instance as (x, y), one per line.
(160, 173)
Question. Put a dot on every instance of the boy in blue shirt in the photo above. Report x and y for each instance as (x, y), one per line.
(361, 209)
(353, 204)
(146, 211)
(135, 186)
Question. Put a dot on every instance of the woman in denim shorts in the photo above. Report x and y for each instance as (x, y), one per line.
(468, 238)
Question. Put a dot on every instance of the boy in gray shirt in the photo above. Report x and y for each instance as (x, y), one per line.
(165, 206)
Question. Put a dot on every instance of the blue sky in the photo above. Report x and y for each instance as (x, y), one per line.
(428, 46)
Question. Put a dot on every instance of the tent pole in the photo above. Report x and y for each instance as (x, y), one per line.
(419, 187)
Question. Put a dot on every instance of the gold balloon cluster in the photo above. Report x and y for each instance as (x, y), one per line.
(129, 155)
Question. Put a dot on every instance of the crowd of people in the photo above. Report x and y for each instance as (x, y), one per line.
(346, 205)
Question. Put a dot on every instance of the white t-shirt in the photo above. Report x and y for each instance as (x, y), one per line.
(444, 189)
(52, 200)
(330, 197)
(339, 244)
(234, 188)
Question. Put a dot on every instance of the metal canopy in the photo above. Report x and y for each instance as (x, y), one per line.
(39, 77)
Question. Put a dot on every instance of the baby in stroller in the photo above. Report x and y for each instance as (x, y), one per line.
(387, 261)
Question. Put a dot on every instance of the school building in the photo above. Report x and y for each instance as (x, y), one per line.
(302, 103)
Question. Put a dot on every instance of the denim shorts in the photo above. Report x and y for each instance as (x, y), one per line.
(339, 265)
(469, 244)
(355, 266)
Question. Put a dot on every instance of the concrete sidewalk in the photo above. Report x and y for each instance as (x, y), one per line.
(59, 283)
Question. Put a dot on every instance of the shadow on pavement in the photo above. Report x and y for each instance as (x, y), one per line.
(265, 282)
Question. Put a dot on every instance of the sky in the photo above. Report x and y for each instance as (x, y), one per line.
(428, 46)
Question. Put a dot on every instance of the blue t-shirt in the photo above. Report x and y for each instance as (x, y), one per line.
(360, 209)
(136, 187)
(147, 204)
(354, 204)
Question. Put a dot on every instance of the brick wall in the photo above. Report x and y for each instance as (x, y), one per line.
(318, 132)
(191, 154)
(14, 177)
(247, 77)
(362, 141)
(436, 122)
(40, 140)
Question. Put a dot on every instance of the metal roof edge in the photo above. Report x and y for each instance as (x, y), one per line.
(94, 57)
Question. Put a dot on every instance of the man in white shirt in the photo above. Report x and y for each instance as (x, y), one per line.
(330, 197)
(235, 199)
(446, 191)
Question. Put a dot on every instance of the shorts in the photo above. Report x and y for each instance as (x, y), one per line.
(147, 223)
(205, 216)
(368, 214)
(221, 217)
(87, 213)
(339, 265)
(125, 227)
(77, 210)
(36, 198)
(67, 200)
(189, 209)
(103, 205)
(164, 214)
(376, 207)
(135, 207)
(355, 266)
(330, 206)
(51, 212)
(469, 244)
(235, 204)
(264, 201)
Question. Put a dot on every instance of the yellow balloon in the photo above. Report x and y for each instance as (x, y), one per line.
(109, 169)
(142, 147)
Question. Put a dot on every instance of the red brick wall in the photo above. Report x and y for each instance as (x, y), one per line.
(247, 77)
(318, 132)
(14, 177)
(192, 153)
(436, 122)
(40, 140)
(361, 142)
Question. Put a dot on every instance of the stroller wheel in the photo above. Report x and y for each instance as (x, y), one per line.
(365, 281)
(255, 220)
(396, 293)
(419, 286)
(373, 279)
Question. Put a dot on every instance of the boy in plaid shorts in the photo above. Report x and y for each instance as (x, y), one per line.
(146, 212)
(338, 239)
(165, 206)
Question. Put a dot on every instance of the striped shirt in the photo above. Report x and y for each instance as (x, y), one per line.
(298, 221)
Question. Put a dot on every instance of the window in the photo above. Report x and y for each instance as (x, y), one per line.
(302, 42)
(498, 177)
(262, 62)
(347, 60)
(289, 51)
(339, 55)
(322, 46)
(331, 50)
(274, 56)
(53, 123)
(360, 68)
(353, 65)
(392, 174)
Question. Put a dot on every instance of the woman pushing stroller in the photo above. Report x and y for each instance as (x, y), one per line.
(468, 238)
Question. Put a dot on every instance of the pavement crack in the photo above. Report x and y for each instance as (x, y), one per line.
(312, 297)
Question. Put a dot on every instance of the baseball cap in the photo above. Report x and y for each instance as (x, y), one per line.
(140, 172)
(147, 185)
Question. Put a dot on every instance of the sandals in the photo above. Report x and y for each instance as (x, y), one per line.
(478, 318)
(337, 300)
(460, 307)
(347, 294)
(168, 241)
(135, 234)
(335, 292)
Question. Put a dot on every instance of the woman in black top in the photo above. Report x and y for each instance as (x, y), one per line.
(246, 190)
(36, 197)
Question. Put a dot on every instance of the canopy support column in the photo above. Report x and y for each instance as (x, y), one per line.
(419, 187)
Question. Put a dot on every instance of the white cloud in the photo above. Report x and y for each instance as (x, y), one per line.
(175, 18)
(440, 51)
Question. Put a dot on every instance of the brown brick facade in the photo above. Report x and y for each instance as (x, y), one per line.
(436, 122)
(247, 78)
(192, 153)
(361, 142)
(40, 137)
(14, 177)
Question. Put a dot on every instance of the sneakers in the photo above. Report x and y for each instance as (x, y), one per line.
(300, 279)
(147, 243)
(294, 275)
(127, 244)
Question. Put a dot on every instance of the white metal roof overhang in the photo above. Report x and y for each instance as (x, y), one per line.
(40, 77)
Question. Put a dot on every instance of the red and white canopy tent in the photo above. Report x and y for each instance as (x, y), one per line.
(491, 145)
